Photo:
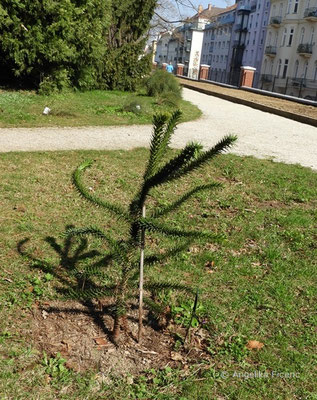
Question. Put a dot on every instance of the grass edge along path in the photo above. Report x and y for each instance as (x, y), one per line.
(91, 108)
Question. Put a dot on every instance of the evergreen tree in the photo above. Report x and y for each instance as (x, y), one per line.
(125, 62)
(82, 43)
(127, 254)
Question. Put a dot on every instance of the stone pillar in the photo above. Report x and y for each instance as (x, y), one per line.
(164, 65)
(204, 71)
(180, 69)
(247, 75)
(154, 65)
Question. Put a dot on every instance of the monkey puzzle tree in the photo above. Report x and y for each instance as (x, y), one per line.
(127, 254)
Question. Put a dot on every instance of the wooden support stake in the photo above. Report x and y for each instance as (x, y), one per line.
(141, 280)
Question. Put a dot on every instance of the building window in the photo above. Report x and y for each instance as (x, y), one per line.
(305, 69)
(290, 39)
(285, 69)
(302, 35)
(289, 6)
(296, 7)
(279, 66)
(269, 39)
(312, 35)
(284, 37)
(296, 68)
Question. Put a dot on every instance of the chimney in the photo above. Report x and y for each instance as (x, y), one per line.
(200, 9)
(209, 7)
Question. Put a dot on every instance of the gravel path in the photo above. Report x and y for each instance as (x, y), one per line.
(260, 134)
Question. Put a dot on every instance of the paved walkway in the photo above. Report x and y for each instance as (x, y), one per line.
(260, 134)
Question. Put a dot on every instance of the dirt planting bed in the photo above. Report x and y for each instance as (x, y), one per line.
(81, 334)
(278, 104)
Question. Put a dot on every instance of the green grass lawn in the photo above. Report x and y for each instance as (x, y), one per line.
(258, 283)
(93, 108)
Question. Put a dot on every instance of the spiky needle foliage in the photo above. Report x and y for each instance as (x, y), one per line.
(125, 254)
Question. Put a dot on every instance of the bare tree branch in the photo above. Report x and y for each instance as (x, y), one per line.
(168, 21)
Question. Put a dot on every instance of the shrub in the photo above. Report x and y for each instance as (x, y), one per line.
(162, 83)
(169, 99)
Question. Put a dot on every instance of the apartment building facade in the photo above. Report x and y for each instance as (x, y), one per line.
(216, 44)
(276, 37)
(161, 48)
(256, 35)
(290, 62)
(184, 44)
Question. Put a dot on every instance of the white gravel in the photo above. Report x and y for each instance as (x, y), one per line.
(260, 134)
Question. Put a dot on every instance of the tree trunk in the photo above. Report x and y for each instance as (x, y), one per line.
(116, 328)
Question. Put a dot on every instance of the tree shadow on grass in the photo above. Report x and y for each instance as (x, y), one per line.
(75, 269)
(68, 274)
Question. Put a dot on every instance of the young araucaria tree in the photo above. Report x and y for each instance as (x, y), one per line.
(127, 254)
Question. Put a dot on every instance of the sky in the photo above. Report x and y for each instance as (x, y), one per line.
(217, 3)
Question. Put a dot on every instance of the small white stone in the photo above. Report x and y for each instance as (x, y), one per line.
(46, 111)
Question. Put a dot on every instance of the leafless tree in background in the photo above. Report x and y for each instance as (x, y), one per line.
(171, 12)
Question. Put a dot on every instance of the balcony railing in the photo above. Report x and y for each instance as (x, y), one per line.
(305, 49)
(297, 82)
(244, 9)
(198, 25)
(311, 14)
(270, 51)
(228, 19)
(266, 78)
(275, 21)
(240, 27)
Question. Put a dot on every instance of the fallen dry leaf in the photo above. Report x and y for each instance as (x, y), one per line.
(210, 266)
(101, 341)
(129, 380)
(256, 264)
(176, 356)
(254, 345)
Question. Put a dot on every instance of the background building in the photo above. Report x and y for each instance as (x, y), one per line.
(216, 44)
(161, 53)
(184, 44)
(275, 37)
(290, 62)
(256, 35)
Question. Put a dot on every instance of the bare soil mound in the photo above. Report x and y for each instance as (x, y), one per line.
(82, 335)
